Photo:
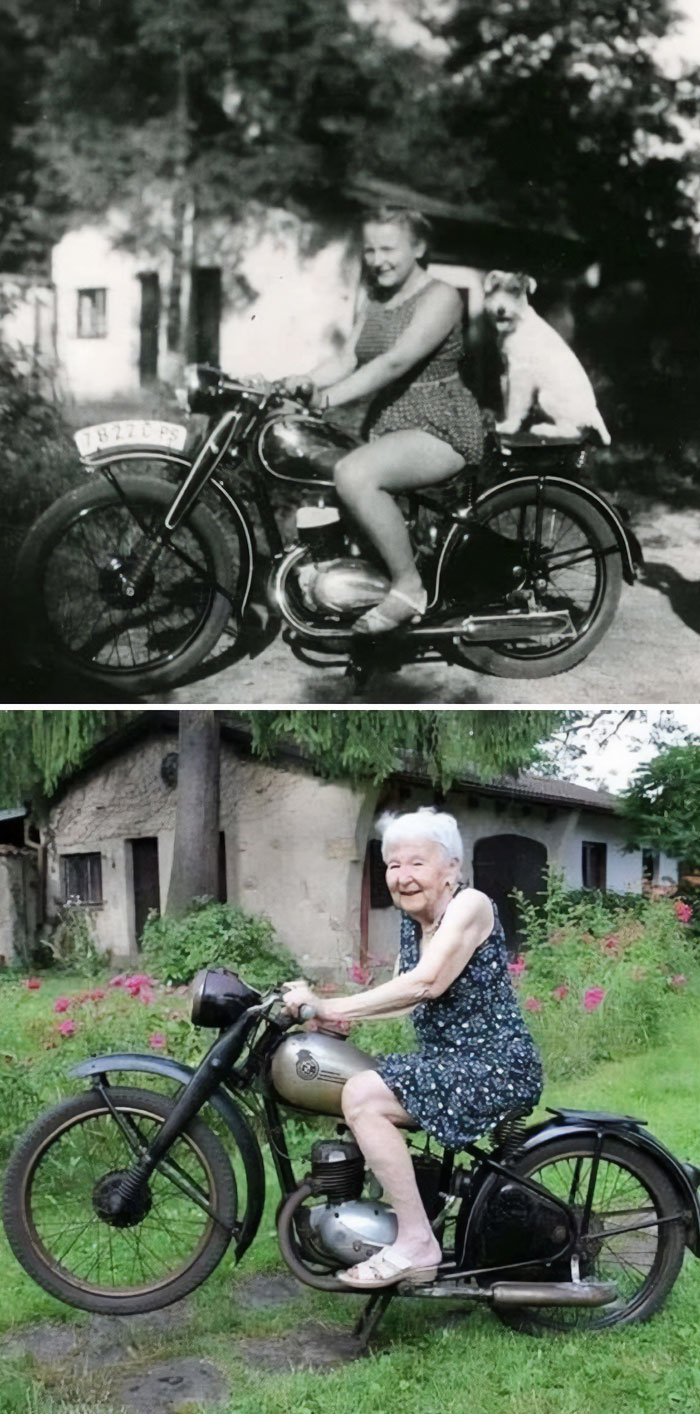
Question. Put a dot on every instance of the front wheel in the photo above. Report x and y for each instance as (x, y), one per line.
(632, 1231)
(56, 1205)
(109, 595)
(570, 561)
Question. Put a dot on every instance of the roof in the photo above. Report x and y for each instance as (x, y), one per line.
(538, 790)
(15, 814)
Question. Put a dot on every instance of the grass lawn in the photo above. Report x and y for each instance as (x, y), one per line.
(426, 1357)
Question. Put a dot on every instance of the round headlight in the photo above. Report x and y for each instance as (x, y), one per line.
(219, 997)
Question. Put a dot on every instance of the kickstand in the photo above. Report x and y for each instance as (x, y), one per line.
(371, 1316)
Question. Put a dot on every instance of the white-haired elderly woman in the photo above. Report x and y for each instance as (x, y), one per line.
(476, 1059)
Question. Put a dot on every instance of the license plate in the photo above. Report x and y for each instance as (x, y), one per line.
(130, 432)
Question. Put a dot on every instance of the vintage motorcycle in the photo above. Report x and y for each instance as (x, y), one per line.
(132, 579)
(123, 1200)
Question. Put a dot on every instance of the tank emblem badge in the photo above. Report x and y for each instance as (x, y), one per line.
(307, 1066)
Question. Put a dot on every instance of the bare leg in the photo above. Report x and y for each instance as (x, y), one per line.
(373, 1112)
(365, 479)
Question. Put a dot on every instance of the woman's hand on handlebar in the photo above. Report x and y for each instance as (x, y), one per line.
(300, 386)
(298, 994)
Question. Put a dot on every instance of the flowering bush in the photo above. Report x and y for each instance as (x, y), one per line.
(599, 978)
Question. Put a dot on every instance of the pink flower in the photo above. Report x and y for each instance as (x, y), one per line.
(117, 981)
(518, 965)
(683, 911)
(96, 994)
(593, 998)
(67, 1028)
(560, 992)
(61, 1004)
(145, 995)
(139, 984)
(533, 1004)
(33, 983)
(678, 981)
(157, 1040)
(611, 944)
(358, 973)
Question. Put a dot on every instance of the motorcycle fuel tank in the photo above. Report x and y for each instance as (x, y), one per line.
(302, 448)
(309, 1070)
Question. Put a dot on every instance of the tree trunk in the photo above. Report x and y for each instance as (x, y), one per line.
(196, 848)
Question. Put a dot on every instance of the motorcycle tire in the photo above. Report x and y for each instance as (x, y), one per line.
(58, 1237)
(624, 1170)
(73, 598)
(539, 659)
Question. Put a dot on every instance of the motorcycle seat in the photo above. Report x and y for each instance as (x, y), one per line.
(596, 1117)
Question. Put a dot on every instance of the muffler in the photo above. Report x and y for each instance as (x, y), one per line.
(492, 628)
(552, 1293)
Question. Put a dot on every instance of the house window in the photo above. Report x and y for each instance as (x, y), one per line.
(92, 314)
(379, 896)
(593, 864)
(81, 876)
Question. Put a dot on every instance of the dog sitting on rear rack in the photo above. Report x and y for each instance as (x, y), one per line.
(542, 374)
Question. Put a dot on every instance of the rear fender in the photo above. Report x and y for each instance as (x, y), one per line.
(627, 543)
(681, 1177)
(234, 1119)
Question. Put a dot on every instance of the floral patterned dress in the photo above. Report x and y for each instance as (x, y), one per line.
(477, 1059)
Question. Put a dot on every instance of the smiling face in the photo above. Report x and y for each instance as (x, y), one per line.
(390, 253)
(420, 878)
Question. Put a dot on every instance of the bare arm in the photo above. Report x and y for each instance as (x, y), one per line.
(467, 923)
(435, 315)
(339, 365)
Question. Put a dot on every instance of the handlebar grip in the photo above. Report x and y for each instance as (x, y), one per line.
(307, 1013)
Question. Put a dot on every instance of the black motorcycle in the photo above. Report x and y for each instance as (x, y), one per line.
(123, 1200)
(131, 580)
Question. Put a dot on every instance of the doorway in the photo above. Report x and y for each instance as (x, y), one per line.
(146, 882)
(503, 863)
(149, 326)
(205, 316)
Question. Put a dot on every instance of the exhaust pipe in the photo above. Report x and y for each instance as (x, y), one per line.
(552, 1293)
(492, 628)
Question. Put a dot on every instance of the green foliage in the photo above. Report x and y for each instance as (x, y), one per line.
(662, 804)
(602, 978)
(216, 935)
(71, 942)
(372, 744)
(38, 747)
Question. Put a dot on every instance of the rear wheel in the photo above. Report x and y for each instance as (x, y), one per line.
(570, 561)
(57, 1194)
(109, 595)
(626, 1190)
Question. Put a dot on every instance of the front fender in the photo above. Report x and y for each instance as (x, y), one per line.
(638, 1138)
(234, 1119)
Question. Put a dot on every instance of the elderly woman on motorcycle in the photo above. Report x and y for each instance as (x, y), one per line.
(476, 1061)
(423, 424)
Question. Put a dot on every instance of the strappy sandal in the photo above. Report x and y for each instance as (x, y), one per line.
(377, 620)
(386, 1268)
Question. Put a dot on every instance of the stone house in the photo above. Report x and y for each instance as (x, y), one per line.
(271, 294)
(303, 849)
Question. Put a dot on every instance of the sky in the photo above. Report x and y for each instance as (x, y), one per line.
(615, 748)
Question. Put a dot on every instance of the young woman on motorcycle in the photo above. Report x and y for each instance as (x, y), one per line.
(404, 354)
(476, 1060)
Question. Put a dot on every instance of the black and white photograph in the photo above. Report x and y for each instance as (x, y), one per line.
(350, 351)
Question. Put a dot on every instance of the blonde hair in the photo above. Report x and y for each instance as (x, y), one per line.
(427, 823)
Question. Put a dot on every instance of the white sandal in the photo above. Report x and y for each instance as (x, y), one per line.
(376, 620)
(385, 1268)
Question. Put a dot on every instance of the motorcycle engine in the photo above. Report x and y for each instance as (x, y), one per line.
(341, 586)
(346, 1228)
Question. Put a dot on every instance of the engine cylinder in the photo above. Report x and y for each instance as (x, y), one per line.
(337, 1169)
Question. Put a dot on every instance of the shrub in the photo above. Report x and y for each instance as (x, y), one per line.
(600, 978)
(39, 460)
(217, 935)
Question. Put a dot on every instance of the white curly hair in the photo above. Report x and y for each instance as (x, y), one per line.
(426, 823)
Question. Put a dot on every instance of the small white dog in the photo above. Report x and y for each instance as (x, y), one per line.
(541, 371)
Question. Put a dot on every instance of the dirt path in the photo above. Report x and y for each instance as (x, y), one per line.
(650, 654)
